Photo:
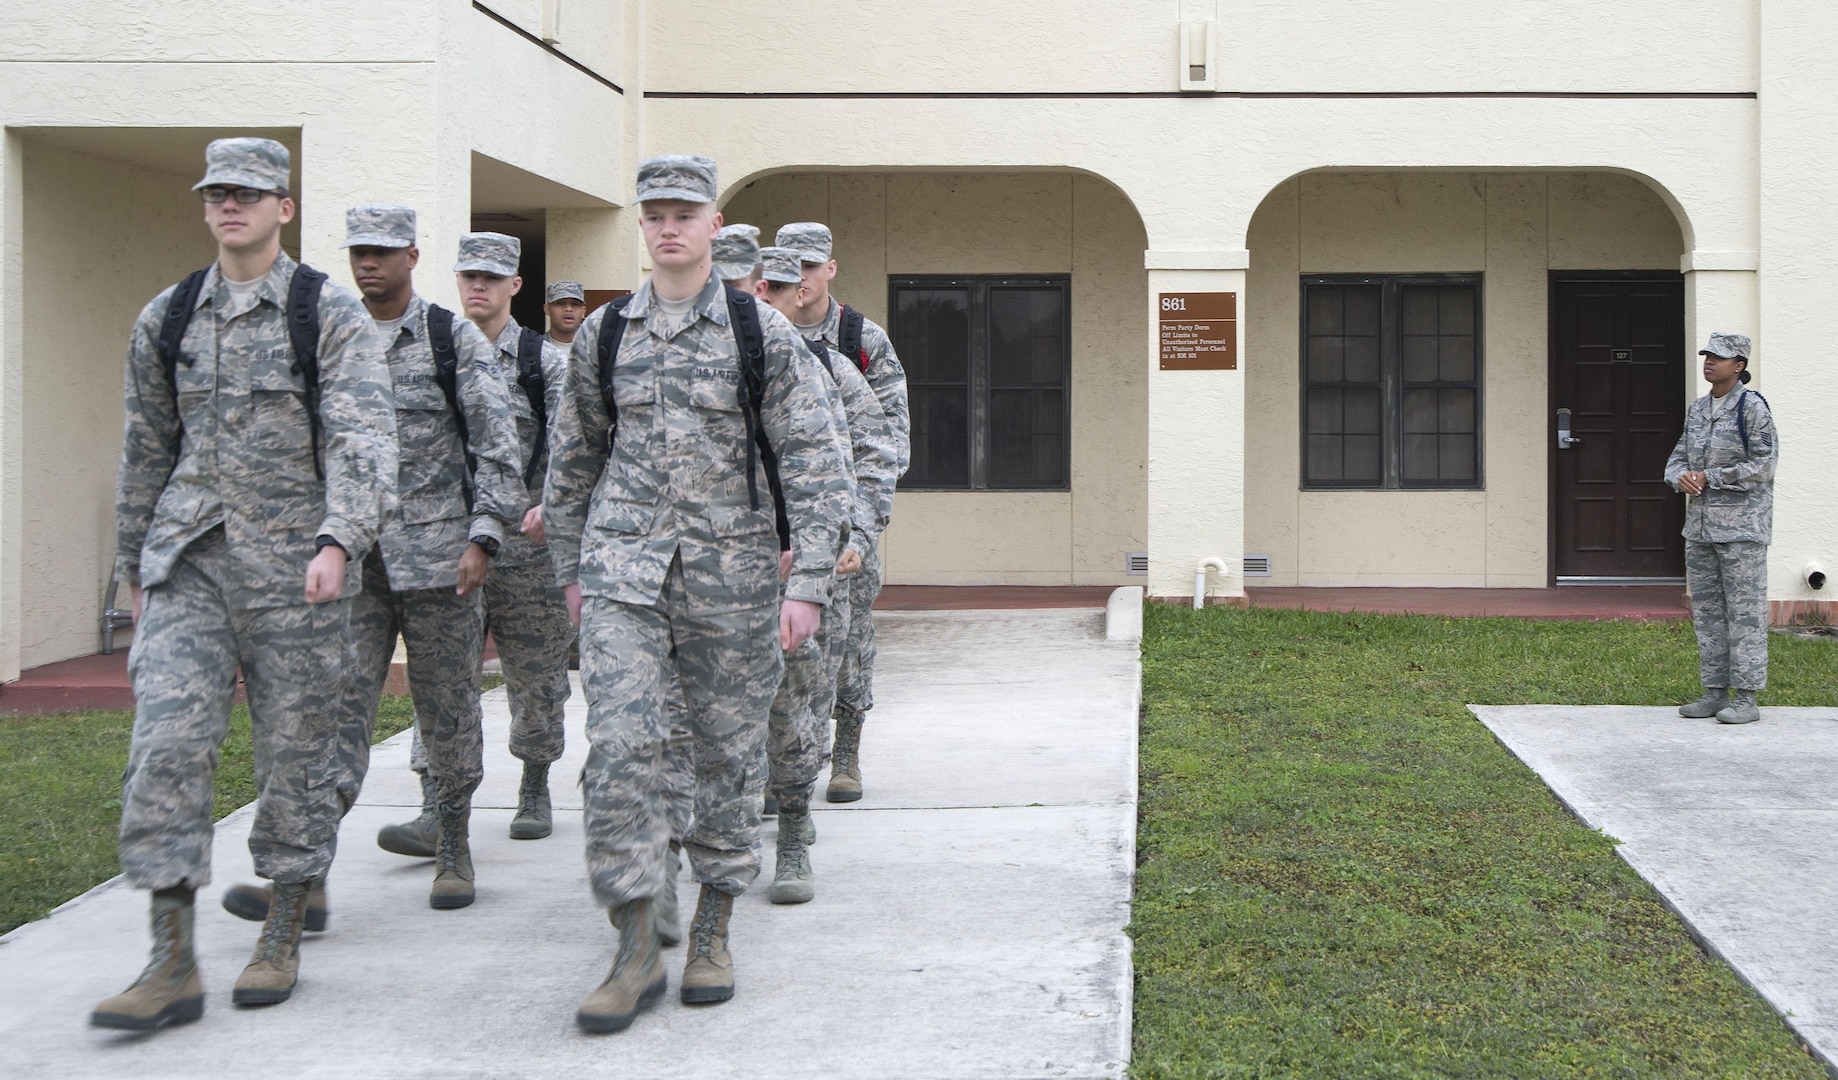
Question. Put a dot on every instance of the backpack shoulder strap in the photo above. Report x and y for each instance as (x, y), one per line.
(750, 343)
(606, 351)
(1742, 421)
(175, 321)
(535, 388)
(823, 354)
(446, 376)
(849, 337)
(303, 334)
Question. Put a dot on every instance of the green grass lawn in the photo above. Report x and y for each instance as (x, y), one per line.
(1343, 874)
(60, 798)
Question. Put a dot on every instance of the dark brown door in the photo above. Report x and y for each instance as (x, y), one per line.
(1618, 367)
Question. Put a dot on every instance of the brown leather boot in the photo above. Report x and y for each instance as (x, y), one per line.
(275, 968)
(708, 977)
(169, 990)
(637, 979)
(845, 761)
(453, 859)
(251, 902)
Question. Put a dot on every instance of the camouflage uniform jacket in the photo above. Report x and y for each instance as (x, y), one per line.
(423, 542)
(874, 454)
(884, 374)
(242, 457)
(1738, 499)
(520, 550)
(674, 482)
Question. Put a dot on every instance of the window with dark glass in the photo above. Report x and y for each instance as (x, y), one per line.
(988, 366)
(1391, 381)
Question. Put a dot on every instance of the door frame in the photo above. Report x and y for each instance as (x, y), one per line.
(1554, 279)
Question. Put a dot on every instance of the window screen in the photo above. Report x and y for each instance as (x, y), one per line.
(1391, 381)
(988, 380)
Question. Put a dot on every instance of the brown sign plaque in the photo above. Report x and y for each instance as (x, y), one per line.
(1199, 331)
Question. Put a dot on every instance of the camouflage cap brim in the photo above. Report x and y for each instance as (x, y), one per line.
(382, 240)
(733, 271)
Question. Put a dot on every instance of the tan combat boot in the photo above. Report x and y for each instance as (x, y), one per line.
(708, 977)
(845, 761)
(169, 990)
(453, 859)
(535, 816)
(637, 979)
(664, 906)
(415, 838)
(251, 902)
(793, 881)
(269, 979)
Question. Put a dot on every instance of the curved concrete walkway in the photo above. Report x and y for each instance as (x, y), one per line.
(968, 921)
(1733, 825)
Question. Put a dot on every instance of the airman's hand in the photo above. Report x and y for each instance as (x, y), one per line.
(473, 567)
(532, 525)
(850, 563)
(798, 619)
(571, 593)
(325, 576)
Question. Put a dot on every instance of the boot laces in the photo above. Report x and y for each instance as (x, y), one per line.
(447, 845)
(703, 930)
(165, 945)
(530, 797)
(284, 909)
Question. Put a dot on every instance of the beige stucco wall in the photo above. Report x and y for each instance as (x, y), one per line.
(1510, 227)
(1031, 223)
(101, 238)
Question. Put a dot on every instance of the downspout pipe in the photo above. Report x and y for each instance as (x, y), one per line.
(1199, 579)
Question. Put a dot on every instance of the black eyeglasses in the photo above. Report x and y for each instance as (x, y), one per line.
(244, 195)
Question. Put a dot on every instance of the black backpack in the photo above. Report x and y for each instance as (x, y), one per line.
(743, 319)
(535, 387)
(1742, 423)
(446, 375)
(849, 337)
(302, 334)
(529, 376)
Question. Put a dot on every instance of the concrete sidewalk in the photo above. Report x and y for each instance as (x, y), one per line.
(1735, 826)
(968, 922)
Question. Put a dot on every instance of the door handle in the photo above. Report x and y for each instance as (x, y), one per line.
(1564, 439)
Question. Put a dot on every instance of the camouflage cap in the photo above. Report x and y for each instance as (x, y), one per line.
(252, 163)
(491, 252)
(1728, 346)
(780, 264)
(564, 290)
(736, 251)
(677, 176)
(810, 239)
(379, 226)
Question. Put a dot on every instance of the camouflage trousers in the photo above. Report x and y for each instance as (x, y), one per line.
(729, 668)
(295, 662)
(444, 634)
(855, 679)
(798, 734)
(1729, 611)
(529, 623)
(833, 639)
(679, 776)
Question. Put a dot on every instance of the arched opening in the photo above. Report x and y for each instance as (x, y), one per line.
(1015, 302)
(1411, 333)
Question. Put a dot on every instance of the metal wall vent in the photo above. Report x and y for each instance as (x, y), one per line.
(1257, 566)
(1136, 563)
